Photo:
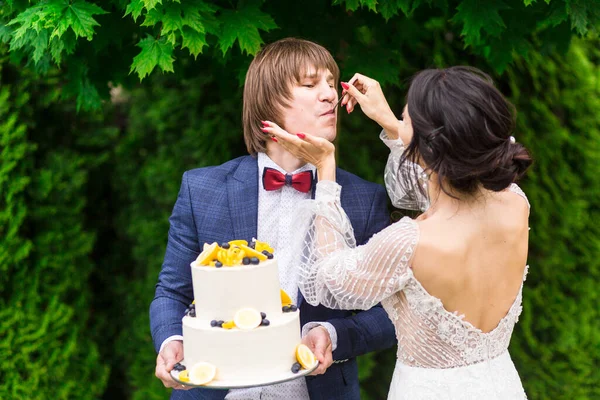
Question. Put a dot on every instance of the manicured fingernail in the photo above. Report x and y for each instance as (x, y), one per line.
(345, 85)
(273, 139)
(264, 123)
(301, 135)
(264, 130)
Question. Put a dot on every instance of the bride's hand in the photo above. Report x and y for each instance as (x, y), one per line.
(312, 149)
(367, 92)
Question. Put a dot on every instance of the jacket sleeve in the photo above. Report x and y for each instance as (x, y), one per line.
(174, 288)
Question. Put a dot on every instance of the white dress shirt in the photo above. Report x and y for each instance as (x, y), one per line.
(276, 210)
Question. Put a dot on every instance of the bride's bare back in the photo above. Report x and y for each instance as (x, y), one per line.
(473, 258)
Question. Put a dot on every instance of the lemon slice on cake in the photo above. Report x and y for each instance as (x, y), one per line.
(305, 356)
(184, 376)
(208, 254)
(228, 325)
(202, 373)
(260, 246)
(238, 242)
(250, 252)
(286, 300)
(247, 318)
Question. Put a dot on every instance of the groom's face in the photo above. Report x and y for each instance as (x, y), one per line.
(311, 107)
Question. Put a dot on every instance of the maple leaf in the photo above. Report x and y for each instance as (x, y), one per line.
(79, 16)
(476, 15)
(371, 4)
(56, 48)
(40, 43)
(194, 41)
(200, 16)
(390, 8)
(135, 9)
(150, 4)
(172, 20)
(243, 25)
(154, 53)
(152, 17)
(582, 13)
(34, 18)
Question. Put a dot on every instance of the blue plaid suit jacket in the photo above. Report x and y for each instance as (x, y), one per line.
(219, 204)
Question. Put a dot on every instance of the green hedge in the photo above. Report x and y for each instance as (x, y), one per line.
(48, 351)
(556, 345)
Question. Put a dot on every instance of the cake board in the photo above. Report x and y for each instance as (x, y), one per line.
(244, 383)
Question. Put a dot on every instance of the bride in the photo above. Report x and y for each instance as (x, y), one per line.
(451, 280)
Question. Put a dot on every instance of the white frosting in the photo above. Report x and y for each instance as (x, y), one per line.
(251, 355)
(220, 292)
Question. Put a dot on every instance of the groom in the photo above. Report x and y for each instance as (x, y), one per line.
(293, 83)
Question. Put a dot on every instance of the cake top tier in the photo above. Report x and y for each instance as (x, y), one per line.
(233, 254)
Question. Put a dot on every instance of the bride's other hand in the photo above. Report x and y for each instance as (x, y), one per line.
(315, 150)
(367, 93)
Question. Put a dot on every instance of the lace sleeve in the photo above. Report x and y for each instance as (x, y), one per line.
(336, 273)
(403, 178)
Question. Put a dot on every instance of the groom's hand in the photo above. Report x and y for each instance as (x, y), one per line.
(318, 340)
(170, 355)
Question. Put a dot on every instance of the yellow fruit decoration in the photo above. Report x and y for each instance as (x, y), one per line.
(262, 246)
(247, 318)
(222, 255)
(305, 356)
(238, 243)
(202, 373)
(286, 300)
(228, 325)
(208, 254)
(234, 256)
(184, 376)
(250, 252)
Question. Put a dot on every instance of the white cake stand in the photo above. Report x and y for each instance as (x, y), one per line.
(239, 383)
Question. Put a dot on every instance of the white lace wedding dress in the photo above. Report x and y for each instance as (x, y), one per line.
(440, 355)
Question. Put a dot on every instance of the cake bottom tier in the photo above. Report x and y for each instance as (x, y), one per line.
(243, 355)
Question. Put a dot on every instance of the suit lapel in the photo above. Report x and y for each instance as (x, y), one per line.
(242, 191)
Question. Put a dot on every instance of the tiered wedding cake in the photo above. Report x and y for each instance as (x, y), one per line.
(242, 329)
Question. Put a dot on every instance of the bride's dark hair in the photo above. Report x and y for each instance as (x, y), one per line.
(462, 130)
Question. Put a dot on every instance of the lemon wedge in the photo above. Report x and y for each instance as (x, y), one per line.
(247, 318)
(228, 325)
(250, 252)
(286, 300)
(238, 242)
(305, 356)
(208, 254)
(260, 246)
(202, 373)
(184, 376)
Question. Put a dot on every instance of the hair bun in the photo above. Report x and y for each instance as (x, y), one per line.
(512, 163)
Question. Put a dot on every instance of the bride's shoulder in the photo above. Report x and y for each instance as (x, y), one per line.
(516, 189)
(406, 226)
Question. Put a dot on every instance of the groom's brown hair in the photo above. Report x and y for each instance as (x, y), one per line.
(271, 75)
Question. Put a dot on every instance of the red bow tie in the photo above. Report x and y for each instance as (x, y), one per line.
(273, 180)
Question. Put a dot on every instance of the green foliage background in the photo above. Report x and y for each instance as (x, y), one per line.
(104, 104)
